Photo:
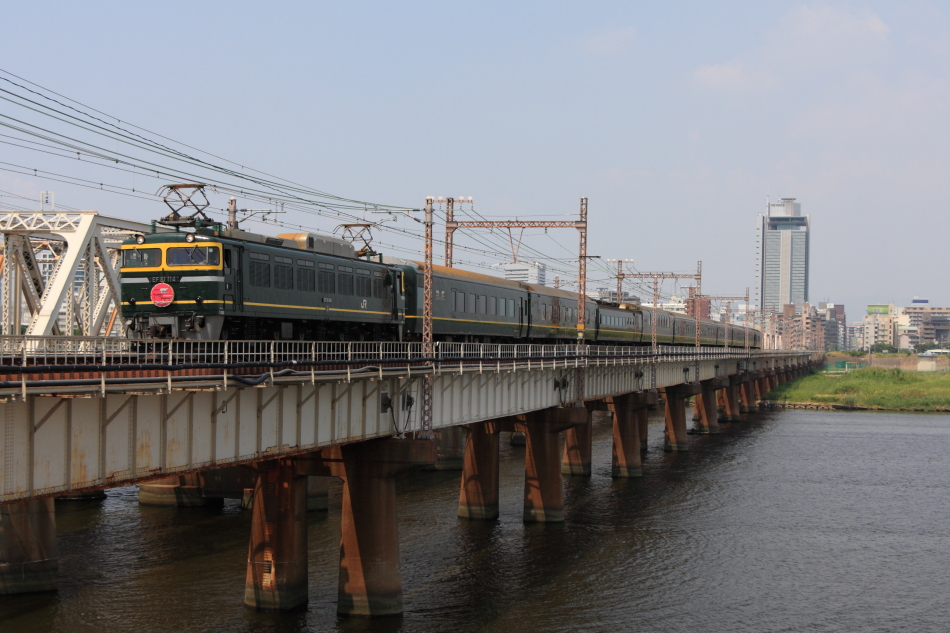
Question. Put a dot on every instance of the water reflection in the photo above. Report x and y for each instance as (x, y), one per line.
(796, 520)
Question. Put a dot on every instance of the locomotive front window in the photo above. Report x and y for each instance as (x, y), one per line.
(193, 256)
(142, 258)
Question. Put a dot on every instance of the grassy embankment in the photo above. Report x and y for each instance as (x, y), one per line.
(874, 388)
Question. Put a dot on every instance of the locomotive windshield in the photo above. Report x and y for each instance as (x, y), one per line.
(142, 258)
(193, 256)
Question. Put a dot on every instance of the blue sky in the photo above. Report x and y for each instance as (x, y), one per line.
(674, 119)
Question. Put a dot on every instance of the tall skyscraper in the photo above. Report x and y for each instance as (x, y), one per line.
(781, 269)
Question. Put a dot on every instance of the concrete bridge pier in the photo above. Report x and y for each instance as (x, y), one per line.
(543, 493)
(29, 555)
(370, 577)
(730, 394)
(478, 498)
(276, 578)
(675, 431)
(625, 460)
(449, 448)
(747, 395)
(708, 422)
(578, 444)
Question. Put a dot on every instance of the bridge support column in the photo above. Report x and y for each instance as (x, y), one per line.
(731, 396)
(276, 578)
(543, 494)
(578, 445)
(29, 556)
(748, 397)
(675, 432)
(706, 406)
(478, 498)
(370, 578)
(318, 494)
(643, 417)
(518, 438)
(625, 461)
(449, 448)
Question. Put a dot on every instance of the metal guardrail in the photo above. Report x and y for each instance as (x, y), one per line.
(33, 351)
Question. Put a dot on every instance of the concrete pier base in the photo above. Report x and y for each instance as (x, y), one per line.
(370, 578)
(183, 491)
(625, 459)
(276, 578)
(92, 495)
(478, 498)
(747, 398)
(29, 556)
(675, 438)
(543, 493)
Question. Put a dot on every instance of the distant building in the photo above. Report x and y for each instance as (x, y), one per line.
(880, 326)
(610, 296)
(835, 325)
(525, 272)
(855, 336)
(930, 323)
(675, 304)
(782, 242)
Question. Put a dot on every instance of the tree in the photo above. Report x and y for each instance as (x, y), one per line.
(920, 348)
(879, 348)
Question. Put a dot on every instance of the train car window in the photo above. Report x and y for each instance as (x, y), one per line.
(459, 301)
(306, 280)
(300, 262)
(470, 304)
(193, 256)
(362, 271)
(283, 260)
(142, 258)
(260, 256)
(377, 273)
(492, 305)
(346, 269)
(511, 307)
(377, 288)
(326, 282)
(227, 258)
(544, 312)
(364, 286)
(482, 304)
(260, 275)
(345, 284)
(326, 266)
(283, 277)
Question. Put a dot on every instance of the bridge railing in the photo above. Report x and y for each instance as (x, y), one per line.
(49, 351)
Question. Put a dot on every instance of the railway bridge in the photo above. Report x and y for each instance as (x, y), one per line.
(81, 414)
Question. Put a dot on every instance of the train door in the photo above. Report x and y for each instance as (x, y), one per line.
(233, 280)
(523, 320)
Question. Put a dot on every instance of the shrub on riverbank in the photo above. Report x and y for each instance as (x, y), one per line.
(874, 387)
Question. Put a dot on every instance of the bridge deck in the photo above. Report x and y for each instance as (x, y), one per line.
(81, 414)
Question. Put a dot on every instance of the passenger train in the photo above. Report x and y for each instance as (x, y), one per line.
(216, 283)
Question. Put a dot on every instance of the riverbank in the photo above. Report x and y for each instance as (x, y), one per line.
(872, 388)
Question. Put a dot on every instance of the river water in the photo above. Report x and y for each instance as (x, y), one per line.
(792, 521)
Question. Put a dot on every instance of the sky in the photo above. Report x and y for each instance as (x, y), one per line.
(676, 120)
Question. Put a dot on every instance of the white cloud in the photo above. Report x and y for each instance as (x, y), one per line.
(812, 39)
(611, 41)
(732, 77)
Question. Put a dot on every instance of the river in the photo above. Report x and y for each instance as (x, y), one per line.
(792, 521)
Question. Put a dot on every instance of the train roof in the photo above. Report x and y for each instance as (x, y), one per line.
(467, 275)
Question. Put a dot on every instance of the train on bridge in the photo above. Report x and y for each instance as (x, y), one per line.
(216, 283)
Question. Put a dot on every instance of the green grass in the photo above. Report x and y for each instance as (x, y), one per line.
(875, 388)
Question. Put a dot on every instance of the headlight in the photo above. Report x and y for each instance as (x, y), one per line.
(190, 237)
(140, 239)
